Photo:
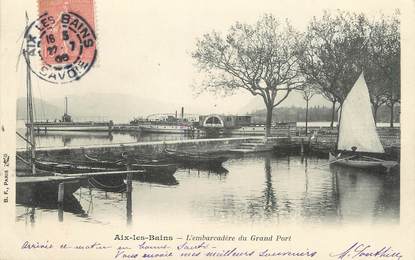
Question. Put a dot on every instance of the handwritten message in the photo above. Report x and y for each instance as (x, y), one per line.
(223, 246)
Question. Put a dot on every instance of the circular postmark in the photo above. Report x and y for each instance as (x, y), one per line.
(60, 49)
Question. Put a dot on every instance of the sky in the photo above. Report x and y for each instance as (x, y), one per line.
(144, 46)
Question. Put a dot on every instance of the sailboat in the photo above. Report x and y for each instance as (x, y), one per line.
(358, 143)
(30, 186)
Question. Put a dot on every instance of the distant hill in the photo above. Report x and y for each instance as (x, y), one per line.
(316, 114)
(294, 99)
(96, 106)
(294, 114)
(42, 109)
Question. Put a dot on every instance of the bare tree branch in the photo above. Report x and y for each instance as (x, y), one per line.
(259, 58)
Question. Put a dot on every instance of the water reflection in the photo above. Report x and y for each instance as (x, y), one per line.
(74, 138)
(269, 196)
(369, 196)
(168, 180)
(204, 168)
(70, 205)
(67, 137)
(256, 189)
(114, 183)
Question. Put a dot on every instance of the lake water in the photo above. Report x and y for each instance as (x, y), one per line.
(67, 139)
(75, 138)
(256, 189)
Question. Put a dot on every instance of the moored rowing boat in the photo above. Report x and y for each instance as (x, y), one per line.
(196, 159)
(151, 167)
(362, 162)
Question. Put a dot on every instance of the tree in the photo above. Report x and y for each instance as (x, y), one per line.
(330, 51)
(377, 85)
(259, 58)
(385, 53)
(307, 92)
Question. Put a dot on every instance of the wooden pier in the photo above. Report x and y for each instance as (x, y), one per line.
(37, 179)
(320, 142)
(54, 189)
(58, 177)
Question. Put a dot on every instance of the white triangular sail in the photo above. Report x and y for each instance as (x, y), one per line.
(357, 126)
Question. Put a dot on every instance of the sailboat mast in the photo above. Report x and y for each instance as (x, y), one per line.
(30, 116)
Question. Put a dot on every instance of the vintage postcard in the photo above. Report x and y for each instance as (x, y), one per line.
(192, 129)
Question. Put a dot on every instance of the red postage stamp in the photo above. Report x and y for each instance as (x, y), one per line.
(61, 43)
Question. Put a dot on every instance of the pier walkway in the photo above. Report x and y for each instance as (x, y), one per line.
(59, 177)
(245, 144)
(36, 179)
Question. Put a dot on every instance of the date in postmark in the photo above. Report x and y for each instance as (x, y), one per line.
(60, 47)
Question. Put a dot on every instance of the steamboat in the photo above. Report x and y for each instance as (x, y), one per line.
(167, 124)
(67, 124)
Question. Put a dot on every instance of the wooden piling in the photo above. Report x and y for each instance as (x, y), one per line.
(61, 192)
(60, 213)
(129, 182)
(302, 147)
(32, 216)
(129, 199)
(129, 195)
(309, 144)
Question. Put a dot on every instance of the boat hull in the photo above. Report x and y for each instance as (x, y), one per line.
(361, 164)
(156, 169)
(150, 168)
(168, 129)
(67, 168)
(196, 160)
(113, 183)
(72, 126)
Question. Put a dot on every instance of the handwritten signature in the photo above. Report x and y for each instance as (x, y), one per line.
(358, 249)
